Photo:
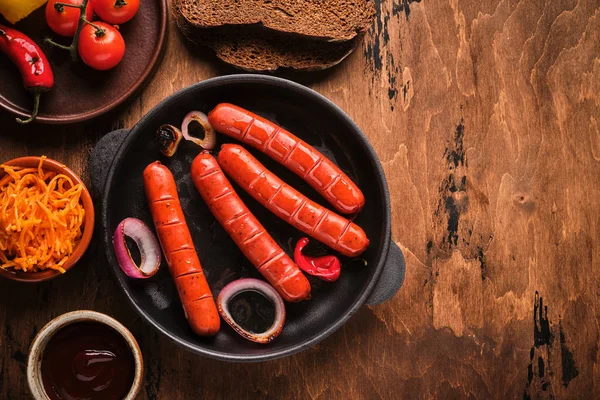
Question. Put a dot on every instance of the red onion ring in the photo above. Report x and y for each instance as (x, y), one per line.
(146, 242)
(245, 285)
(210, 137)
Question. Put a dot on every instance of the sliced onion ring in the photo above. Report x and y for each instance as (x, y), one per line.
(210, 137)
(147, 244)
(168, 138)
(245, 285)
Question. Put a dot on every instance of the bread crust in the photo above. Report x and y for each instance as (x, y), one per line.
(327, 20)
(253, 49)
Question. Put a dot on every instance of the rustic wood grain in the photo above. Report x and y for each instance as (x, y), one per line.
(486, 117)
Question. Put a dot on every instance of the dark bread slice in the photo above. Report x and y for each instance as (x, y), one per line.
(330, 20)
(251, 48)
(265, 54)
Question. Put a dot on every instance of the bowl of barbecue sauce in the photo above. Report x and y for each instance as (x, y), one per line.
(84, 355)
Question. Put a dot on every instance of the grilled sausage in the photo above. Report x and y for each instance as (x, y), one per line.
(245, 230)
(292, 152)
(178, 247)
(290, 205)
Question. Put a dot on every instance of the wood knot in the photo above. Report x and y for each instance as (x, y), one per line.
(525, 202)
(461, 200)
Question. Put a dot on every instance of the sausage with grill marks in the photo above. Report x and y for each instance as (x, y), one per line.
(178, 247)
(290, 151)
(290, 205)
(245, 230)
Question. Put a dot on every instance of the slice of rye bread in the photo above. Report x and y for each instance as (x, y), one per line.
(330, 20)
(266, 54)
(251, 48)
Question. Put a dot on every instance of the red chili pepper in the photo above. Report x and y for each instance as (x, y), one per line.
(326, 267)
(31, 62)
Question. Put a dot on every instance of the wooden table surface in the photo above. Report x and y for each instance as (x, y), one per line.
(486, 117)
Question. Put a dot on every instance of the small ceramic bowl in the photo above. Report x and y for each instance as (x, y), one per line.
(88, 228)
(36, 351)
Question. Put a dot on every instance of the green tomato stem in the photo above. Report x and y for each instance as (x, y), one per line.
(57, 5)
(99, 30)
(53, 43)
(82, 20)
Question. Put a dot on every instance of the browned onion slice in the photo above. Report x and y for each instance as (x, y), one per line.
(252, 285)
(168, 138)
(209, 141)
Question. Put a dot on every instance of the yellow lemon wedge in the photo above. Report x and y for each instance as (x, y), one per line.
(16, 10)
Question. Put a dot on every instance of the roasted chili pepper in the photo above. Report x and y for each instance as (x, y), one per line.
(325, 267)
(31, 62)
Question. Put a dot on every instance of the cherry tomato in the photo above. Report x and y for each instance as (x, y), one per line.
(64, 22)
(116, 11)
(101, 48)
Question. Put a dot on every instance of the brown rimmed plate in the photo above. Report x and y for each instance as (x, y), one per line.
(81, 93)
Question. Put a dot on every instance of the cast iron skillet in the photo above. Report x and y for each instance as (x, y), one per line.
(313, 118)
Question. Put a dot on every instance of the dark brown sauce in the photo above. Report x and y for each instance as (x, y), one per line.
(87, 361)
(252, 311)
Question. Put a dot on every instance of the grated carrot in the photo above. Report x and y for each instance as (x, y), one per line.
(41, 218)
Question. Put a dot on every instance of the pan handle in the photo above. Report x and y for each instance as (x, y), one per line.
(391, 277)
(101, 159)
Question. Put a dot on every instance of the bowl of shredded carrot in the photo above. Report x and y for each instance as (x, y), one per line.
(46, 219)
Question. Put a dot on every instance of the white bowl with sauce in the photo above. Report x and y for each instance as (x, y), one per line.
(100, 327)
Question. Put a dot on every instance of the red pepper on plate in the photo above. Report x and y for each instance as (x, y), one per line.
(31, 62)
(326, 267)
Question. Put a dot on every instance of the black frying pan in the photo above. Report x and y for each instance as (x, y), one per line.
(311, 117)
